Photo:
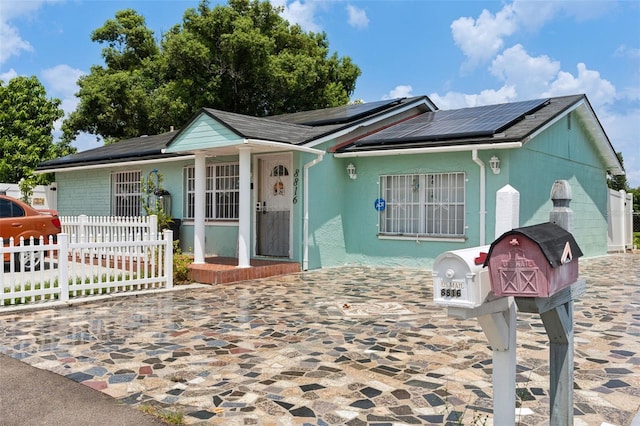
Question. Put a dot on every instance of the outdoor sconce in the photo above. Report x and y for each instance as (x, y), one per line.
(351, 171)
(494, 163)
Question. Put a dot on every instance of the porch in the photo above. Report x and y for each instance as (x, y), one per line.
(225, 270)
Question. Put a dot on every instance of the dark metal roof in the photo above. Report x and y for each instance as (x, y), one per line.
(516, 130)
(266, 129)
(551, 239)
(342, 114)
(140, 148)
(295, 128)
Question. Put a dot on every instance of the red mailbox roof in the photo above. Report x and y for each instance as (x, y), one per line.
(556, 243)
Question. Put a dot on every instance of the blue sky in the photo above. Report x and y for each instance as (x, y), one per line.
(459, 53)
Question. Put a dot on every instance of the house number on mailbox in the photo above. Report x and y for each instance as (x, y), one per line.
(451, 289)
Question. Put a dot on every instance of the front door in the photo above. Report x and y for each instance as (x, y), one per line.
(273, 208)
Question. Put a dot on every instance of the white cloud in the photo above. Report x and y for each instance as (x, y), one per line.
(598, 90)
(530, 75)
(301, 13)
(480, 39)
(455, 100)
(12, 43)
(627, 52)
(61, 82)
(623, 130)
(6, 76)
(357, 17)
(401, 91)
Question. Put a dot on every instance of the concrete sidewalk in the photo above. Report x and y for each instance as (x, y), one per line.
(31, 396)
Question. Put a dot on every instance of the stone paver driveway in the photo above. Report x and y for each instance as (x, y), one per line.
(354, 346)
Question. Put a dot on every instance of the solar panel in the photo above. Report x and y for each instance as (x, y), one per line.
(337, 115)
(467, 122)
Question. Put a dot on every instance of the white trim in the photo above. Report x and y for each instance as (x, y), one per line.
(257, 183)
(370, 121)
(421, 238)
(280, 146)
(430, 150)
(483, 195)
(211, 222)
(111, 165)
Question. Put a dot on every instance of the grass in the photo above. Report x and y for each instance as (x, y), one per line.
(167, 416)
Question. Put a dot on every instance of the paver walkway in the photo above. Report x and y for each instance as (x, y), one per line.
(354, 346)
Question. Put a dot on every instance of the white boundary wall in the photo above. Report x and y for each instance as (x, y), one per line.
(620, 221)
(44, 197)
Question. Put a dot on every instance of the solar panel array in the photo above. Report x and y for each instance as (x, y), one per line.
(336, 115)
(467, 122)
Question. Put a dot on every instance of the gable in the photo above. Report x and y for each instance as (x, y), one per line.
(203, 133)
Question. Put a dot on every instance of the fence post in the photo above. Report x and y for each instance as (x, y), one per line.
(168, 257)
(153, 227)
(623, 220)
(63, 266)
(83, 220)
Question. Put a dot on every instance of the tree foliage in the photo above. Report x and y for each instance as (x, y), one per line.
(26, 124)
(618, 182)
(242, 57)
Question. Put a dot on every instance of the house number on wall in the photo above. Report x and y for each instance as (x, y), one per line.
(295, 186)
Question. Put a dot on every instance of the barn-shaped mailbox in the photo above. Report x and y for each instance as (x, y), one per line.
(533, 261)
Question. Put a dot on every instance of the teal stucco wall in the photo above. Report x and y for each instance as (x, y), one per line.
(344, 222)
(564, 151)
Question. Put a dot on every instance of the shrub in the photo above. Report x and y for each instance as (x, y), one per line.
(181, 264)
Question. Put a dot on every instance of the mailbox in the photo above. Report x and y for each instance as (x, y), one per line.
(460, 279)
(533, 261)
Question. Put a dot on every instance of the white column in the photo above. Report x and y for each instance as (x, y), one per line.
(244, 219)
(507, 210)
(199, 207)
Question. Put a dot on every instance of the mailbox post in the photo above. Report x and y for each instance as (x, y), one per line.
(538, 266)
(461, 283)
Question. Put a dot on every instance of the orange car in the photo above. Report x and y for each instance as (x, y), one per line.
(19, 219)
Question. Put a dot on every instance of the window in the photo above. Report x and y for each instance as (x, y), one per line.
(222, 193)
(10, 209)
(125, 192)
(430, 205)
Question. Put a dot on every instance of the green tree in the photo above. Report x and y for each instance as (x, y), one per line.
(618, 182)
(242, 57)
(26, 125)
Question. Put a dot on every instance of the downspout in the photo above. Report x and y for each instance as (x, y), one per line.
(483, 189)
(305, 230)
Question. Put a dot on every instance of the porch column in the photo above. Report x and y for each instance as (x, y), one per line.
(244, 219)
(199, 207)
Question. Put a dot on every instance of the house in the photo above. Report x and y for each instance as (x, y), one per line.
(389, 183)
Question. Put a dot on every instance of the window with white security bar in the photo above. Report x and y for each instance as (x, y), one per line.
(125, 193)
(222, 193)
(428, 205)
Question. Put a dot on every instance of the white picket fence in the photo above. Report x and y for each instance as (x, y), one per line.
(110, 228)
(72, 268)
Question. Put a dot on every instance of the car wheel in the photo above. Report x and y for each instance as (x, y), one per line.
(29, 260)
